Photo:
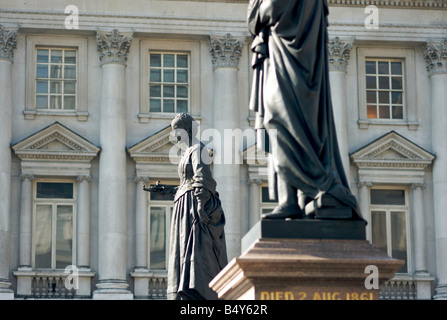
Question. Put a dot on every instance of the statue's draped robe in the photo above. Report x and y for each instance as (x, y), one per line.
(291, 94)
(197, 250)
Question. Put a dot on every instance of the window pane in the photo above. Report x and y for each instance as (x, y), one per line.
(155, 75)
(371, 83)
(370, 67)
(384, 112)
(70, 87)
(46, 190)
(399, 238)
(182, 106)
(55, 71)
(398, 112)
(41, 86)
(56, 56)
(41, 102)
(55, 102)
(155, 91)
(157, 238)
(265, 195)
(168, 75)
(155, 60)
(168, 105)
(182, 92)
(42, 236)
(378, 229)
(42, 71)
(169, 60)
(168, 91)
(371, 97)
(396, 83)
(384, 82)
(182, 76)
(371, 111)
(64, 235)
(182, 61)
(42, 55)
(384, 97)
(69, 103)
(155, 105)
(396, 67)
(70, 72)
(385, 196)
(396, 97)
(70, 56)
(383, 67)
(163, 197)
(56, 86)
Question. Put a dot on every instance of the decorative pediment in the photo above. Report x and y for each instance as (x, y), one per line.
(155, 148)
(55, 142)
(392, 150)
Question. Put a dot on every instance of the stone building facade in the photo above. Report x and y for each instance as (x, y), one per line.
(88, 90)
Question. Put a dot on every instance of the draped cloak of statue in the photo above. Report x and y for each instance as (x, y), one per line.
(197, 249)
(291, 94)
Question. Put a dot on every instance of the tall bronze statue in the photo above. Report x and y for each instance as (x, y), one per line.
(291, 97)
(197, 241)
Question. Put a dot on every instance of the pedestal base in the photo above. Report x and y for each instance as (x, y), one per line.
(305, 269)
(112, 290)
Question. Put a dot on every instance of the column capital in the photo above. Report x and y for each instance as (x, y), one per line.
(367, 184)
(257, 181)
(8, 43)
(84, 178)
(225, 51)
(29, 177)
(418, 185)
(338, 52)
(113, 46)
(435, 55)
(142, 179)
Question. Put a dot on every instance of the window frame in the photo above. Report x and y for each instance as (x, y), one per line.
(388, 209)
(168, 204)
(189, 47)
(54, 202)
(407, 56)
(33, 43)
(265, 205)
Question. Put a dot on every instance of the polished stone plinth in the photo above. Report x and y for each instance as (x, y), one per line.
(298, 267)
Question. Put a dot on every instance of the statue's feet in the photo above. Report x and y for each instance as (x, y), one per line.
(284, 212)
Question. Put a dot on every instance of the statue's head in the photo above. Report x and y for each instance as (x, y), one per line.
(184, 127)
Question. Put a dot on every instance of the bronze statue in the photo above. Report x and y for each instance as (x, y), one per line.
(291, 95)
(197, 241)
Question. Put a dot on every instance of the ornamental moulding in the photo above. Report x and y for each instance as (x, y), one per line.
(113, 46)
(409, 4)
(8, 43)
(226, 51)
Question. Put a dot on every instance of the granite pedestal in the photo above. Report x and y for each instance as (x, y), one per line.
(306, 260)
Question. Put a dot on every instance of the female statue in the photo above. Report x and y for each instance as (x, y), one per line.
(197, 241)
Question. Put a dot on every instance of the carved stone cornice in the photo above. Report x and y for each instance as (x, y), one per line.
(113, 46)
(8, 43)
(408, 4)
(225, 51)
(338, 52)
(436, 56)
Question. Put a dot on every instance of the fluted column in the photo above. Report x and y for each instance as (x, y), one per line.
(338, 52)
(83, 222)
(363, 200)
(255, 201)
(112, 234)
(225, 53)
(141, 223)
(436, 60)
(8, 41)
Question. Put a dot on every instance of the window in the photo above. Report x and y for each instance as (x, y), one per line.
(160, 213)
(389, 213)
(56, 78)
(168, 82)
(384, 89)
(54, 208)
(387, 87)
(267, 205)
